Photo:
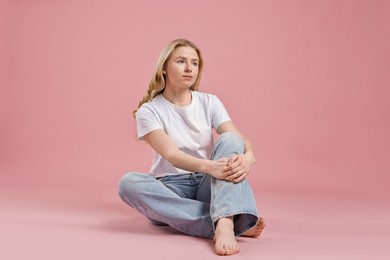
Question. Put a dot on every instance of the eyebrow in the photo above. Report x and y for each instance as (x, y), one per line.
(181, 57)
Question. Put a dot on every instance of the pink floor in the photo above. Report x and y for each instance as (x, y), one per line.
(71, 224)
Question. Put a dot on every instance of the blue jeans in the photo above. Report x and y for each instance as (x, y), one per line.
(192, 203)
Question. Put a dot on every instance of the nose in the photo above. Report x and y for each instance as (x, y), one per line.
(188, 68)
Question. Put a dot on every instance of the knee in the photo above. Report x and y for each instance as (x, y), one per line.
(232, 141)
(127, 184)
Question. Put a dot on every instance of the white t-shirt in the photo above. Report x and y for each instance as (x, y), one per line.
(189, 127)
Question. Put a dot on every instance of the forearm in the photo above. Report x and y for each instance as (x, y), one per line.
(190, 163)
(248, 151)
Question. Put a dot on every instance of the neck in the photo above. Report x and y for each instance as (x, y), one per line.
(178, 97)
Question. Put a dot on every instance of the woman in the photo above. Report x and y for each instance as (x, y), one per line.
(194, 185)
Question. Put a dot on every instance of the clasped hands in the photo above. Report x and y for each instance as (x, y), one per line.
(234, 168)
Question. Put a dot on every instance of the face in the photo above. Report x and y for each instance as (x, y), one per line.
(182, 68)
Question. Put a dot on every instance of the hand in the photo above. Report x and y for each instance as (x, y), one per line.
(238, 168)
(216, 168)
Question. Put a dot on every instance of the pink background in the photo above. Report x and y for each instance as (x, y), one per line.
(307, 82)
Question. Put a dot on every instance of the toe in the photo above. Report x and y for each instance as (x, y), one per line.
(229, 251)
(219, 249)
(232, 249)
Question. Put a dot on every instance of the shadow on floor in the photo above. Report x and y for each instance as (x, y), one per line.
(136, 225)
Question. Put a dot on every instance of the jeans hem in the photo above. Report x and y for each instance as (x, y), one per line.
(253, 213)
(214, 219)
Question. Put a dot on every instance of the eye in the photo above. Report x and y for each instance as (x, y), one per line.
(195, 63)
(180, 61)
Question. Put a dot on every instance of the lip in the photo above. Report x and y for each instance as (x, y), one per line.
(187, 77)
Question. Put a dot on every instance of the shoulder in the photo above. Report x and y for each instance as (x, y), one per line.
(210, 101)
(151, 107)
(203, 97)
(155, 103)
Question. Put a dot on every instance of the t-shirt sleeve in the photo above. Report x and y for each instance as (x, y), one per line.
(218, 113)
(147, 121)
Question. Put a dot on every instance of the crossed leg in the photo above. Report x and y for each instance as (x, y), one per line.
(256, 230)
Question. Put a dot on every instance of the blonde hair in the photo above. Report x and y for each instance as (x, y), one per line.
(157, 81)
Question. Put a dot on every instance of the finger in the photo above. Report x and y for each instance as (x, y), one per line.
(231, 174)
(241, 178)
(235, 175)
(238, 179)
(223, 160)
(233, 169)
(234, 165)
(222, 164)
(226, 173)
(233, 158)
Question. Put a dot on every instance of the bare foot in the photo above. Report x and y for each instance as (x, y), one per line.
(225, 242)
(256, 230)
